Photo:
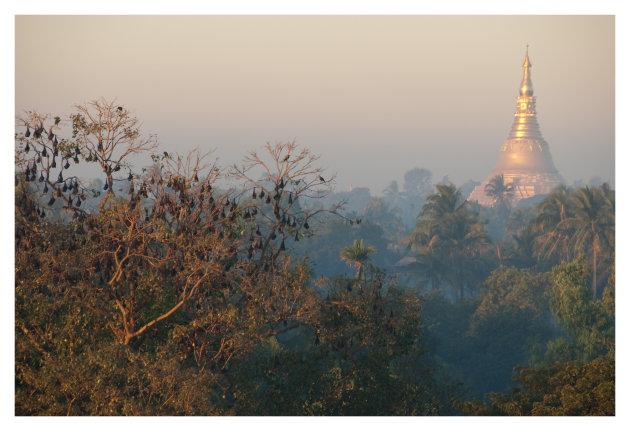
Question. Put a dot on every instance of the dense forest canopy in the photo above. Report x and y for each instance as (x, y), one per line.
(188, 288)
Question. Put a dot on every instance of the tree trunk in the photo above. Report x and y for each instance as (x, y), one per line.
(594, 285)
(499, 255)
(460, 280)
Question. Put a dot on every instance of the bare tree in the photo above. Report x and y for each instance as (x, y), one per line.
(277, 182)
(102, 133)
(107, 134)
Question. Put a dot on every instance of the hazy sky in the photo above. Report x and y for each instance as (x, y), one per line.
(374, 95)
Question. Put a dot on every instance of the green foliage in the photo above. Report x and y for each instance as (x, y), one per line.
(518, 220)
(501, 192)
(332, 235)
(481, 341)
(357, 255)
(446, 325)
(570, 223)
(379, 212)
(71, 358)
(177, 299)
(511, 324)
(592, 225)
(417, 182)
(563, 389)
(588, 324)
(369, 336)
(453, 234)
(511, 291)
(578, 374)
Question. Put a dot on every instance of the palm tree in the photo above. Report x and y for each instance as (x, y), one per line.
(553, 236)
(592, 224)
(452, 234)
(429, 266)
(357, 255)
(523, 253)
(555, 208)
(460, 238)
(518, 220)
(445, 201)
(500, 192)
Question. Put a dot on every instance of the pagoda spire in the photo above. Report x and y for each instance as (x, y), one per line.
(525, 124)
(527, 88)
(524, 160)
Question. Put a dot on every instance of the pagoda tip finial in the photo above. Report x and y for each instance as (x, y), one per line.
(527, 63)
(527, 89)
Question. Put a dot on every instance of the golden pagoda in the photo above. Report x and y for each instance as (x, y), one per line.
(524, 161)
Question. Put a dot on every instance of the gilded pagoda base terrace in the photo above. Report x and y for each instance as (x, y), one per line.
(526, 185)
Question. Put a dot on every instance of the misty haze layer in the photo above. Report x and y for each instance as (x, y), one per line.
(374, 95)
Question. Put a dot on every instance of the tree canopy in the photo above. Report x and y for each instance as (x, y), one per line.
(188, 288)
